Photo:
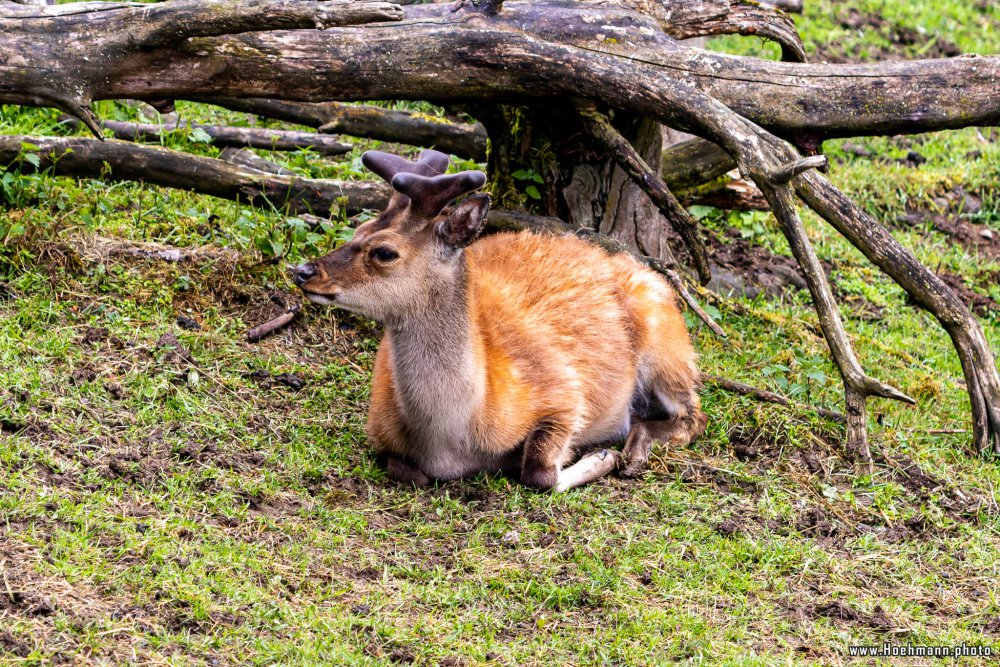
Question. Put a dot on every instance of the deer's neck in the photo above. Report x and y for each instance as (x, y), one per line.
(438, 378)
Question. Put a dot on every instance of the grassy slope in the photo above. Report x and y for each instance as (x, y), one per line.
(165, 507)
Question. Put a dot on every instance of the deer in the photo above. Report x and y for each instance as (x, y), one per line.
(513, 353)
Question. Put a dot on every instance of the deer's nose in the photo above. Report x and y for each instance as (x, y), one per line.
(302, 273)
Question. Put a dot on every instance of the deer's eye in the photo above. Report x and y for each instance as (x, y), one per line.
(383, 254)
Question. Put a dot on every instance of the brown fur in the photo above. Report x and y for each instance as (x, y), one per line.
(514, 353)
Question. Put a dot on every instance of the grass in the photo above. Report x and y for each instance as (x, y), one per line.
(167, 497)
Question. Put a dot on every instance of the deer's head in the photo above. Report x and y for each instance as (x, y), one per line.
(407, 259)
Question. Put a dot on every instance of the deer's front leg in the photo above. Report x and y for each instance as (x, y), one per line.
(545, 450)
(590, 467)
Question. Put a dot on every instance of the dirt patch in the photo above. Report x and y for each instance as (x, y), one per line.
(26, 602)
(28, 427)
(819, 467)
(816, 522)
(836, 610)
(978, 303)
(904, 42)
(263, 378)
(746, 269)
(93, 335)
(952, 217)
(12, 646)
(734, 525)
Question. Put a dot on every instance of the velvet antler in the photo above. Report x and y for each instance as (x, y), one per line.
(387, 165)
(423, 182)
(428, 196)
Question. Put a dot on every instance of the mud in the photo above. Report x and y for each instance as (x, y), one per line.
(749, 270)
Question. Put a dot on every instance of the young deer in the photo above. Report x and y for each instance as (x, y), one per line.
(514, 352)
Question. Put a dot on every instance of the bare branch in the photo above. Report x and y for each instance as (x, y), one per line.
(220, 135)
(124, 161)
(405, 127)
(857, 384)
(768, 396)
(789, 171)
(273, 325)
(925, 288)
(619, 148)
(726, 17)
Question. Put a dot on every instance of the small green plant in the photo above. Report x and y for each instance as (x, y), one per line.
(530, 180)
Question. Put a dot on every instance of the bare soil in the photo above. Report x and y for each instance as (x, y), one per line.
(900, 37)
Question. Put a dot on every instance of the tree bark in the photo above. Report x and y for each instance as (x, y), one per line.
(453, 57)
(634, 171)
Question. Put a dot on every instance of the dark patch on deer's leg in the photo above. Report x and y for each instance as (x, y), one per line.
(678, 431)
(545, 449)
(542, 451)
(403, 473)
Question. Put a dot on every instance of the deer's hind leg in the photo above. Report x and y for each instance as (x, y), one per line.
(666, 410)
(639, 444)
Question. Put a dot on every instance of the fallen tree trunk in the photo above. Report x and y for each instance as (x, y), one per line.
(125, 161)
(462, 139)
(524, 69)
(229, 136)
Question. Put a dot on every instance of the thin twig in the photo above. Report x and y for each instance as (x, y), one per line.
(769, 396)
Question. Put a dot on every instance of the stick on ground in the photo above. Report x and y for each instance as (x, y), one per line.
(271, 326)
(768, 396)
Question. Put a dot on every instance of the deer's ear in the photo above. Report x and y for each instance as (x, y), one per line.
(464, 221)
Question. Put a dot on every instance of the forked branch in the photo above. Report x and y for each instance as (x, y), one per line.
(925, 288)
(858, 386)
